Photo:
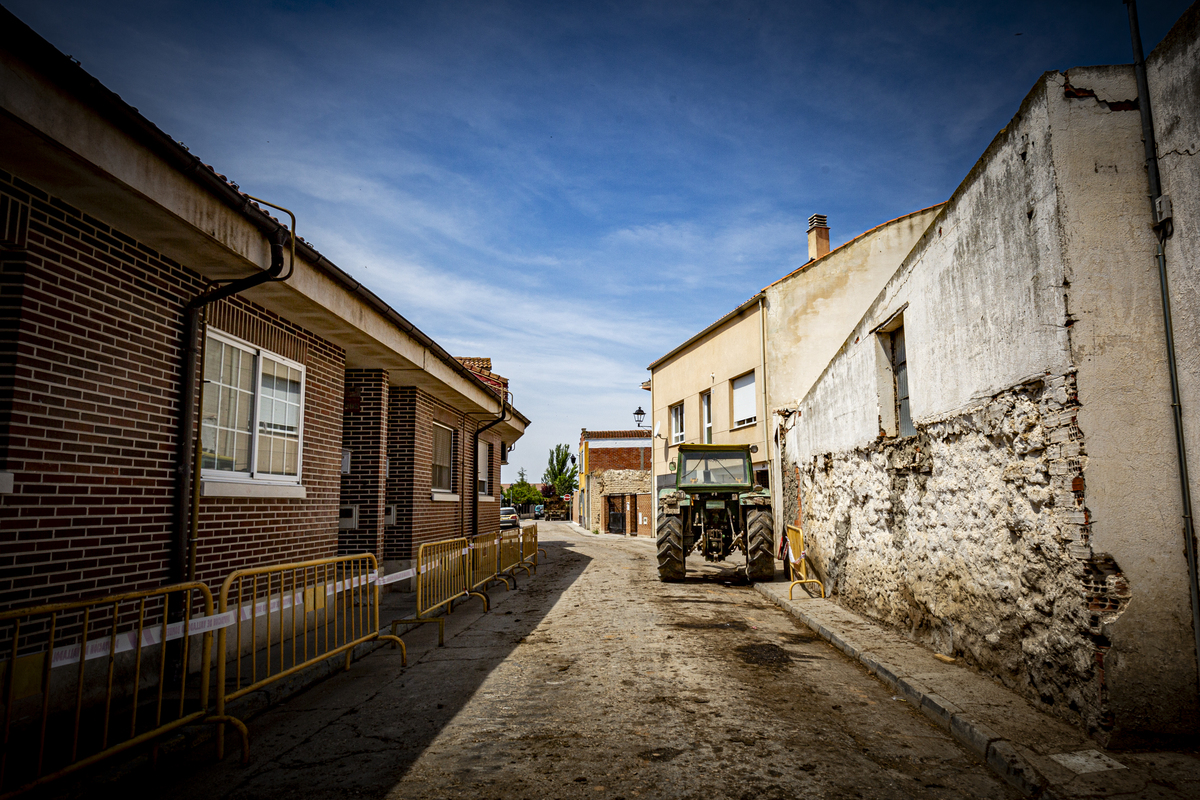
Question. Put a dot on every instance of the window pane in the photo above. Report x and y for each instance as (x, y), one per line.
(442, 446)
(291, 453)
(699, 468)
(212, 360)
(241, 454)
(744, 405)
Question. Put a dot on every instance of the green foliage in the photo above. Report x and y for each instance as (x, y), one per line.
(523, 492)
(560, 472)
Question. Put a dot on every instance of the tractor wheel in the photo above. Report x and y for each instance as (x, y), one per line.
(760, 535)
(670, 548)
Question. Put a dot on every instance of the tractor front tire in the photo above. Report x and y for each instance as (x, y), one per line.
(670, 548)
(760, 536)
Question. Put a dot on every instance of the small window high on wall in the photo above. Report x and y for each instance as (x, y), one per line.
(900, 370)
(443, 448)
(745, 405)
(485, 460)
(895, 415)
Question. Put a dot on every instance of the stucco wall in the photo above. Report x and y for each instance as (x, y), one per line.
(810, 311)
(1031, 526)
(709, 365)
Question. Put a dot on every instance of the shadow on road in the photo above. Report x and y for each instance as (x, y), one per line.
(358, 733)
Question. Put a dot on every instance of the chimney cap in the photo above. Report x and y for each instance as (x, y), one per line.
(817, 221)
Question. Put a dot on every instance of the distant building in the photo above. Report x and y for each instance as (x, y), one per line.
(614, 482)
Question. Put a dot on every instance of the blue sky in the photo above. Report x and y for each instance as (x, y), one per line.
(574, 188)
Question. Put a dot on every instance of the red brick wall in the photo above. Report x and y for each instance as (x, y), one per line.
(92, 406)
(410, 447)
(602, 458)
(365, 435)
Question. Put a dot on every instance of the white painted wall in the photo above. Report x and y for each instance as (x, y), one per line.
(1037, 280)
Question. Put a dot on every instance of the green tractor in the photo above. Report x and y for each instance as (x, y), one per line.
(715, 508)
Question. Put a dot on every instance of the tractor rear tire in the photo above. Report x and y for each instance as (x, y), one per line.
(671, 556)
(760, 536)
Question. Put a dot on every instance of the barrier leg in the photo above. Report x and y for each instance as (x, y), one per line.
(441, 623)
(241, 729)
(396, 640)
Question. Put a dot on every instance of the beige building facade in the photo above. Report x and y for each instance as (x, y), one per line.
(710, 390)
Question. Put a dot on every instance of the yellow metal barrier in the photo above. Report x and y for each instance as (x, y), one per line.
(443, 576)
(510, 553)
(86, 680)
(797, 561)
(485, 561)
(529, 545)
(290, 616)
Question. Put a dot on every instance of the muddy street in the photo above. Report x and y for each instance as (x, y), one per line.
(595, 680)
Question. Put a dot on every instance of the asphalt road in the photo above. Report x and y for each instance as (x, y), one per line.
(594, 680)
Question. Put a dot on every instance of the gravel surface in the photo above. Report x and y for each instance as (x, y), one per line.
(595, 680)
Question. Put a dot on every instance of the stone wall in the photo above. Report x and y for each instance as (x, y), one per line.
(973, 537)
(612, 481)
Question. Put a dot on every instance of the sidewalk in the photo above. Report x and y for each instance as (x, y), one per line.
(1038, 754)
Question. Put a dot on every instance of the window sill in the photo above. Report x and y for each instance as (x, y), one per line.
(744, 425)
(215, 488)
(486, 498)
(443, 497)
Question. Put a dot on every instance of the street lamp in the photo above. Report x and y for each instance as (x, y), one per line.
(638, 416)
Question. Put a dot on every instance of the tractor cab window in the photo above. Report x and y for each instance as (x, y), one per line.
(713, 469)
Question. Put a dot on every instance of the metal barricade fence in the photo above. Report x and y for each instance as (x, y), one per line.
(443, 576)
(529, 545)
(485, 561)
(88, 679)
(797, 561)
(289, 616)
(510, 553)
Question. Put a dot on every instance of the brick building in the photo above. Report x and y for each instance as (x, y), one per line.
(303, 414)
(614, 482)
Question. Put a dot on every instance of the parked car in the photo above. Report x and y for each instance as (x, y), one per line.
(539, 512)
(509, 518)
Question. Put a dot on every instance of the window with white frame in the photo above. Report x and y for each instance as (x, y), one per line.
(677, 424)
(745, 404)
(485, 460)
(251, 412)
(443, 448)
(706, 416)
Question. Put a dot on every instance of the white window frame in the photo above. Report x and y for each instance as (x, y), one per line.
(677, 423)
(483, 469)
(450, 466)
(254, 476)
(745, 422)
(706, 426)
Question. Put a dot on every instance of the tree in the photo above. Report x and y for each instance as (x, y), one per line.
(560, 472)
(523, 492)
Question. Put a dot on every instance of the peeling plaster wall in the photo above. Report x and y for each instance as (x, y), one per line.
(1031, 527)
(970, 537)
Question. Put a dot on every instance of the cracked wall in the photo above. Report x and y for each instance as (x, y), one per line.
(973, 537)
(1032, 526)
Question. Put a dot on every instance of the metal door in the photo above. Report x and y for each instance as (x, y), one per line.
(616, 513)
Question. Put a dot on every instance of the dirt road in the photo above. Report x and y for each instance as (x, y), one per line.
(595, 680)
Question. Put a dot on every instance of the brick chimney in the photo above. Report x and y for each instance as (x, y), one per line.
(818, 236)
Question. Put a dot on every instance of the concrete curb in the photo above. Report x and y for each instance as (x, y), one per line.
(999, 754)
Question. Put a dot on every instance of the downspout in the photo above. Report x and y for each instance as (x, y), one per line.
(187, 463)
(475, 451)
(1162, 229)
